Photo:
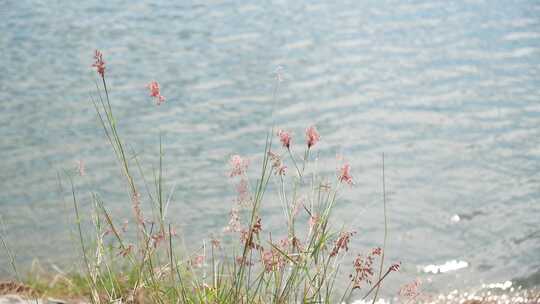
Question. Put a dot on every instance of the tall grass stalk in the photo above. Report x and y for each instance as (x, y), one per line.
(9, 252)
(385, 233)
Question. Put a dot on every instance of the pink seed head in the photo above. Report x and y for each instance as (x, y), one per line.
(238, 165)
(363, 268)
(242, 190)
(216, 243)
(155, 92)
(198, 261)
(342, 243)
(125, 251)
(411, 290)
(99, 64)
(284, 243)
(312, 136)
(285, 138)
(272, 260)
(395, 267)
(157, 239)
(234, 222)
(345, 174)
(277, 163)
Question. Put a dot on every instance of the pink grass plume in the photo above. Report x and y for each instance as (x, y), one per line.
(285, 138)
(155, 92)
(312, 136)
(345, 174)
(410, 290)
(239, 165)
(99, 64)
(198, 261)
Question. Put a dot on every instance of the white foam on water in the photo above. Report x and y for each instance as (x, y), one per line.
(446, 267)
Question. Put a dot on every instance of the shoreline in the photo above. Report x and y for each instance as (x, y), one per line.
(18, 293)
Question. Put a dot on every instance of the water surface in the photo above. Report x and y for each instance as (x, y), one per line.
(448, 90)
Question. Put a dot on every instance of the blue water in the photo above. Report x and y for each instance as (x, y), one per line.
(448, 90)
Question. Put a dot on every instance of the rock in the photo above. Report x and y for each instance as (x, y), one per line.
(15, 299)
(12, 288)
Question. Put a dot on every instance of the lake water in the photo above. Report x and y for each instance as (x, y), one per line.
(448, 90)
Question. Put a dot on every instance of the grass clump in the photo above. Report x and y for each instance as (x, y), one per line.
(248, 265)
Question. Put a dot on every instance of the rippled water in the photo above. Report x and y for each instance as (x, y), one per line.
(449, 91)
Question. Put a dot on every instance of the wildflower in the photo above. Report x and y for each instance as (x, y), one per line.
(363, 271)
(215, 243)
(155, 92)
(242, 189)
(395, 267)
(81, 167)
(363, 268)
(342, 242)
(277, 164)
(312, 136)
(410, 290)
(268, 260)
(272, 260)
(246, 236)
(285, 138)
(345, 174)
(284, 243)
(257, 227)
(197, 261)
(136, 205)
(99, 64)
(126, 250)
(238, 165)
(297, 244)
(234, 222)
(157, 239)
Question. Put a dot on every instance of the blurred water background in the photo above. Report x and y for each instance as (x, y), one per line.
(448, 90)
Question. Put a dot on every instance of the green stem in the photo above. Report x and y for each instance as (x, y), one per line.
(385, 232)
